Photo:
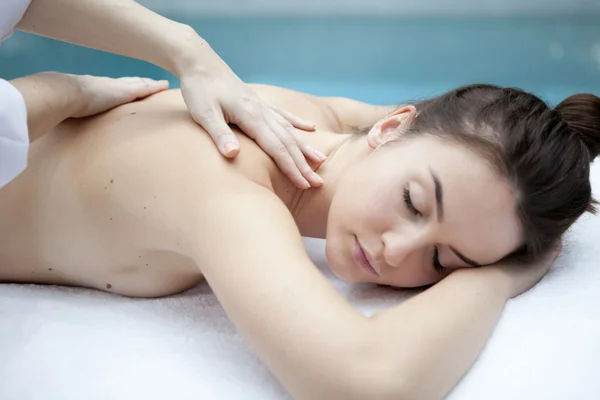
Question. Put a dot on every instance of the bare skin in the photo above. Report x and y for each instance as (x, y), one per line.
(213, 93)
(63, 157)
(129, 201)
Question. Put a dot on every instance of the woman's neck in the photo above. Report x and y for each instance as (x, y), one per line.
(311, 207)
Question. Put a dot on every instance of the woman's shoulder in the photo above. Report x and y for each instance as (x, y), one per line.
(303, 105)
(139, 137)
(331, 113)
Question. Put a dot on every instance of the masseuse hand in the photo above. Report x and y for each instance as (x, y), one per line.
(520, 277)
(100, 94)
(216, 97)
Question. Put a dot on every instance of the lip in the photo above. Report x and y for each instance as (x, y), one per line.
(363, 260)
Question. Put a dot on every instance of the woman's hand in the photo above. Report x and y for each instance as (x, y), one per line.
(99, 94)
(520, 277)
(216, 97)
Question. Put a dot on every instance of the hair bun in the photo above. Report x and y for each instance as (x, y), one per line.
(582, 113)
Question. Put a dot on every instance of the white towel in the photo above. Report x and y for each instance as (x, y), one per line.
(74, 344)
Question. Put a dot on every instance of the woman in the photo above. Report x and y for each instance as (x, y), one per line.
(450, 190)
(214, 94)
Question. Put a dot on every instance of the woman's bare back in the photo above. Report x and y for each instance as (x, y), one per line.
(68, 218)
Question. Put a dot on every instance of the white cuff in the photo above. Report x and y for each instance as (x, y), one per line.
(14, 136)
(11, 12)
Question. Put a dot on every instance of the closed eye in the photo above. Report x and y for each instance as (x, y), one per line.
(409, 204)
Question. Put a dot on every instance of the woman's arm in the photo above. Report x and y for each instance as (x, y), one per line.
(314, 342)
(50, 98)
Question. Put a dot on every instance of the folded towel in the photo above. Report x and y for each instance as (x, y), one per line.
(72, 344)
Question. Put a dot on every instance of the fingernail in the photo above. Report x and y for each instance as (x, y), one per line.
(317, 178)
(319, 155)
(305, 184)
(229, 147)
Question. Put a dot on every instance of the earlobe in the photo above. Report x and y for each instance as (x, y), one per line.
(391, 127)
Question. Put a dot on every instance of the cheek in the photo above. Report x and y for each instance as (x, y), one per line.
(362, 204)
(378, 207)
(381, 204)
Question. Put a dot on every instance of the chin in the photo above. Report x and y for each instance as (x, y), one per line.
(339, 265)
(344, 274)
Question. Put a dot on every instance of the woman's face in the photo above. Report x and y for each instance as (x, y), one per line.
(414, 210)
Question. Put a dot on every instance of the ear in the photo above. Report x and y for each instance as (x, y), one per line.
(392, 126)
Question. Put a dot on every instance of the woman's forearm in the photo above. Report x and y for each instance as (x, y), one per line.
(49, 98)
(314, 342)
(431, 340)
(117, 26)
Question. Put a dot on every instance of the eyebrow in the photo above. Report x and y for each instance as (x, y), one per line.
(439, 200)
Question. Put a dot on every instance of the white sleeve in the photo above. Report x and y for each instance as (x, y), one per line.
(14, 136)
(11, 12)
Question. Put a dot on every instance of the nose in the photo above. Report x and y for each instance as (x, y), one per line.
(398, 246)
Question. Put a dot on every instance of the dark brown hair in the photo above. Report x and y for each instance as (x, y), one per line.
(544, 153)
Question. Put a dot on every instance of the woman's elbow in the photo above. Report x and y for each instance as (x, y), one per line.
(372, 386)
(358, 376)
(375, 372)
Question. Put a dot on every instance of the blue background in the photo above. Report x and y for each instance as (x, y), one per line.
(374, 59)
